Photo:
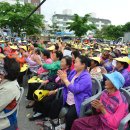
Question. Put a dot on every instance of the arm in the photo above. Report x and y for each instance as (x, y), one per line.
(84, 84)
(53, 66)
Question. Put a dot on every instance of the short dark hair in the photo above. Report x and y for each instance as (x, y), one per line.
(84, 60)
(68, 60)
(59, 54)
(46, 53)
(76, 53)
(125, 65)
(37, 50)
(12, 67)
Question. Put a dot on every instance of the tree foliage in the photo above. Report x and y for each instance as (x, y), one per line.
(113, 32)
(80, 25)
(12, 16)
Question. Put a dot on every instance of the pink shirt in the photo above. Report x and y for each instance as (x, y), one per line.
(41, 70)
(116, 106)
(70, 96)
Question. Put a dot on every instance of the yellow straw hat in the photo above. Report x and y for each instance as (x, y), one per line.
(123, 59)
(24, 68)
(23, 47)
(2, 56)
(51, 48)
(14, 47)
(96, 59)
(35, 79)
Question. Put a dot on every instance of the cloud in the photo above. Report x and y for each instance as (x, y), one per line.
(115, 10)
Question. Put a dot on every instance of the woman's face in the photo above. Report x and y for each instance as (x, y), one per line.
(78, 65)
(53, 56)
(63, 64)
(93, 64)
(108, 84)
(118, 65)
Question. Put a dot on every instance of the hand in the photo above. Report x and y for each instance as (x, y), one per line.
(62, 75)
(53, 92)
(97, 104)
(44, 82)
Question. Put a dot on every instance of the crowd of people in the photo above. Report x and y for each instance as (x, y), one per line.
(68, 67)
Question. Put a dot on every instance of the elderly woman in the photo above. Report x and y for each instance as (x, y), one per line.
(122, 67)
(9, 92)
(111, 108)
(78, 87)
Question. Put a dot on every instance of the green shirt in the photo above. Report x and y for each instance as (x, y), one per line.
(53, 68)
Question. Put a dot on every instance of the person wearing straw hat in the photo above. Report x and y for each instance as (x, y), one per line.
(13, 52)
(95, 71)
(111, 108)
(122, 66)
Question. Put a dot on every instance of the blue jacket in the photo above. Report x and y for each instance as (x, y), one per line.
(81, 88)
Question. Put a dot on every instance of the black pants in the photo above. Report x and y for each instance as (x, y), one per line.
(31, 89)
(70, 116)
(20, 77)
(44, 106)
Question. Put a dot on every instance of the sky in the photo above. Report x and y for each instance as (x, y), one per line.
(118, 11)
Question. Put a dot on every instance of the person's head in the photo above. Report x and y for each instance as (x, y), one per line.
(37, 51)
(45, 54)
(114, 81)
(122, 63)
(22, 49)
(11, 69)
(57, 55)
(111, 56)
(81, 63)
(75, 54)
(95, 61)
(66, 62)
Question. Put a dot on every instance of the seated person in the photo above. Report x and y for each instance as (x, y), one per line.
(109, 63)
(52, 68)
(121, 66)
(78, 87)
(9, 93)
(43, 107)
(111, 108)
(95, 69)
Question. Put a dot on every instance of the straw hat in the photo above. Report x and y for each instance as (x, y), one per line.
(14, 47)
(51, 48)
(2, 56)
(123, 59)
(23, 47)
(96, 59)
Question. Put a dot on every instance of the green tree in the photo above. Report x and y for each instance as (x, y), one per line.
(111, 32)
(12, 16)
(126, 27)
(80, 25)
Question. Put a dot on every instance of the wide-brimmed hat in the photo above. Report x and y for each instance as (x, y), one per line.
(116, 78)
(23, 47)
(14, 47)
(123, 59)
(96, 59)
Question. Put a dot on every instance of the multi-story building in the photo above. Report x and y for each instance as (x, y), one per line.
(62, 19)
(36, 3)
(12, 1)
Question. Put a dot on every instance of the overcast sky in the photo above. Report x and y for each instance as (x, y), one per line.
(118, 11)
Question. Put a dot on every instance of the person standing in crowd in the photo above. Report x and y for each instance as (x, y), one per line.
(108, 116)
(9, 93)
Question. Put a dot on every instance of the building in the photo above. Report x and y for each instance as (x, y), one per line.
(36, 3)
(62, 19)
(12, 1)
